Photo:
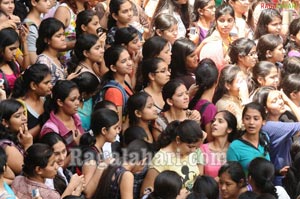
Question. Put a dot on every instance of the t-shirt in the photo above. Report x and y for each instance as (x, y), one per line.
(186, 167)
(115, 95)
(8, 193)
(244, 152)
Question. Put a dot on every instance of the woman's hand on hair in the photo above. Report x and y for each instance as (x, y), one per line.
(192, 90)
(193, 115)
(24, 137)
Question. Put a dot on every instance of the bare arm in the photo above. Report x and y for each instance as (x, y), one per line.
(126, 185)
(92, 177)
(149, 180)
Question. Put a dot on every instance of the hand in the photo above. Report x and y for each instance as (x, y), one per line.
(77, 180)
(8, 24)
(73, 75)
(192, 90)
(284, 170)
(24, 33)
(76, 136)
(183, 194)
(15, 19)
(193, 115)
(24, 137)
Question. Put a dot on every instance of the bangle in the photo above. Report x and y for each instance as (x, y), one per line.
(102, 166)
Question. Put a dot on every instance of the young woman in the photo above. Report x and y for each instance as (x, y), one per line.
(33, 21)
(66, 13)
(176, 104)
(87, 21)
(184, 61)
(253, 142)
(280, 132)
(241, 28)
(31, 88)
(5, 190)
(206, 79)
(218, 41)
(270, 48)
(105, 127)
(142, 112)
(39, 164)
(293, 43)
(205, 187)
(9, 70)
(64, 181)
(260, 176)
(242, 52)
(179, 10)
(129, 38)
(157, 47)
(265, 73)
(63, 113)
(121, 15)
(223, 132)
(167, 184)
(51, 40)
(269, 22)
(232, 180)
(117, 181)
(115, 88)
(155, 74)
(290, 85)
(229, 91)
(178, 144)
(88, 85)
(166, 26)
(14, 136)
(204, 16)
(89, 51)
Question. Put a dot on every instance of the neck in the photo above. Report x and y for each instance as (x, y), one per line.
(80, 6)
(32, 96)
(253, 138)
(273, 117)
(176, 114)
(128, 166)
(204, 22)
(51, 52)
(221, 143)
(37, 179)
(62, 116)
(100, 141)
(121, 25)
(35, 15)
(238, 15)
(119, 78)
(87, 64)
(1, 182)
(208, 94)
(243, 68)
(155, 87)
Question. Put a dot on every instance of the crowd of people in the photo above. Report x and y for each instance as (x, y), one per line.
(157, 99)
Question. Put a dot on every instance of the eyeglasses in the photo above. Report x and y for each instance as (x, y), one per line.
(164, 71)
(252, 54)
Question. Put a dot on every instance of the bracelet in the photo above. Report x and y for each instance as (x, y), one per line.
(102, 166)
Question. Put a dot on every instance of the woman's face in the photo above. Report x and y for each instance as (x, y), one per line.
(240, 6)
(272, 79)
(17, 120)
(124, 64)
(170, 34)
(44, 87)
(50, 170)
(10, 51)
(7, 6)
(96, 52)
(225, 24)
(191, 61)
(188, 148)
(229, 188)
(60, 153)
(58, 40)
(274, 27)
(248, 60)
(234, 87)
(70, 105)
(220, 126)
(125, 13)
(166, 53)
(277, 55)
(252, 121)
(162, 74)
(149, 112)
(180, 99)
(208, 12)
(112, 132)
(134, 46)
(275, 103)
(92, 26)
(43, 6)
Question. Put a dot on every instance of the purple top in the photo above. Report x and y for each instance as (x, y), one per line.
(294, 53)
(208, 114)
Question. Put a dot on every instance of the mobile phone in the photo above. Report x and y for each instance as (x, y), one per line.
(35, 193)
(1, 82)
(19, 26)
(100, 31)
(193, 30)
